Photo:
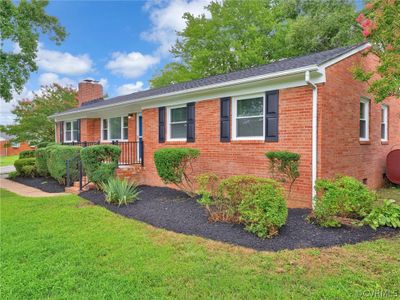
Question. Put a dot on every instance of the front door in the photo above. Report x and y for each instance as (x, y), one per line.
(139, 127)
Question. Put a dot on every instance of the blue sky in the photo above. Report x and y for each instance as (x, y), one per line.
(120, 43)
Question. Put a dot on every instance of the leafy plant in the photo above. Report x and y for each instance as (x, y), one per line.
(44, 144)
(284, 166)
(20, 163)
(120, 191)
(12, 175)
(100, 162)
(385, 214)
(41, 161)
(29, 171)
(207, 188)
(173, 165)
(263, 210)
(27, 154)
(341, 199)
(57, 156)
(231, 193)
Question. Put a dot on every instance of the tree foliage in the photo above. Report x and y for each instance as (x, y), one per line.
(380, 23)
(21, 24)
(32, 121)
(242, 34)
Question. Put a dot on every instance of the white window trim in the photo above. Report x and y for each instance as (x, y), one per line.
(108, 129)
(72, 131)
(366, 101)
(234, 118)
(169, 124)
(385, 121)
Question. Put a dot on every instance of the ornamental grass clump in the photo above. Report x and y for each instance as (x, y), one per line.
(174, 166)
(120, 191)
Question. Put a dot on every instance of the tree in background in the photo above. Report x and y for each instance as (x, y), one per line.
(21, 24)
(380, 22)
(241, 34)
(32, 121)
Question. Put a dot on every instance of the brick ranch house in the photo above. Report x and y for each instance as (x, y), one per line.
(310, 105)
(8, 148)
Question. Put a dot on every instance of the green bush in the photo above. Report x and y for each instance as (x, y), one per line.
(100, 162)
(231, 193)
(172, 166)
(263, 209)
(341, 198)
(385, 214)
(20, 163)
(57, 156)
(29, 171)
(44, 144)
(41, 161)
(120, 191)
(13, 175)
(27, 154)
(207, 188)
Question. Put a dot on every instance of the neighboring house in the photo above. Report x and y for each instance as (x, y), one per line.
(310, 105)
(8, 148)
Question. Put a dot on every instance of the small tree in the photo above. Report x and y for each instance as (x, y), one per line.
(173, 166)
(284, 166)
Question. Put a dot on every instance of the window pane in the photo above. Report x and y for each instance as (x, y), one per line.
(115, 128)
(68, 135)
(178, 114)
(75, 127)
(125, 122)
(105, 124)
(178, 131)
(362, 110)
(363, 127)
(68, 125)
(75, 135)
(105, 132)
(383, 131)
(249, 127)
(250, 107)
(125, 132)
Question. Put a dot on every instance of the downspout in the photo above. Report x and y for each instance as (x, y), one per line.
(314, 155)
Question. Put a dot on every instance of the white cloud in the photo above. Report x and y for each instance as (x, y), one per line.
(104, 83)
(63, 62)
(166, 19)
(131, 65)
(130, 88)
(50, 78)
(6, 117)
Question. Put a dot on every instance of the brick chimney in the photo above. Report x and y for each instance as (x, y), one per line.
(89, 90)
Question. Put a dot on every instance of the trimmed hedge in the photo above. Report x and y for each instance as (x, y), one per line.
(27, 154)
(100, 162)
(41, 162)
(21, 164)
(56, 157)
(45, 144)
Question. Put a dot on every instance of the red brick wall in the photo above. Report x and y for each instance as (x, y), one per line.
(339, 109)
(8, 151)
(242, 157)
(90, 130)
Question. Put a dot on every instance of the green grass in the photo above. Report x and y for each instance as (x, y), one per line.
(389, 193)
(8, 160)
(64, 247)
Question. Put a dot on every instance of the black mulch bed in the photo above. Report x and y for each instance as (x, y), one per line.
(173, 210)
(44, 184)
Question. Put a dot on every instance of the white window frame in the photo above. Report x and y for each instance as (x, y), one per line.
(366, 102)
(169, 109)
(235, 117)
(385, 121)
(72, 131)
(108, 129)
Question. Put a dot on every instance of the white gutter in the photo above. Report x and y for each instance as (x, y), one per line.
(314, 134)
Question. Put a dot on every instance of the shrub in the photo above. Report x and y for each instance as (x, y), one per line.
(29, 171)
(263, 210)
(340, 199)
(100, 162)
(120, 191)
(56, 156)
(41, 161)
(284, 166)
(13, 175)
(20, 163)
(231, 193)
(385, 214)
(44, 144)
(27, 154)
(207, 188)
(172, 166)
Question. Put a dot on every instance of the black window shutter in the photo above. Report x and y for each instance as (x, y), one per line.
(190, 122)
(271, 116)
(79, 130)
(61, 127)
(225, 119)
(161, 124)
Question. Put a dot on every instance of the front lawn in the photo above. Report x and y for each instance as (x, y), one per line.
(8, 160)
(66, 247)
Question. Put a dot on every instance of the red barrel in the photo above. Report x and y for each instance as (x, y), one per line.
(393, 166)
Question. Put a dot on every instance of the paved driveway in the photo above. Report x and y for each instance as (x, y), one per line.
(5, 170)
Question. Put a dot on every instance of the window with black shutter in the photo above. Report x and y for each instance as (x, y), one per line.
(190, 122)
(225, 119)
(161, 124)
(272, 116)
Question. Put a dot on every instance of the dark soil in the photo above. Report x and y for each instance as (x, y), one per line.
(44, 184)
(173, 210)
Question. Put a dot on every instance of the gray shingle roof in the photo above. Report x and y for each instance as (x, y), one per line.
(282, 65)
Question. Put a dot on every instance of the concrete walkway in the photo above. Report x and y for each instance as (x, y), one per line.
(25, 190)
(5, 170)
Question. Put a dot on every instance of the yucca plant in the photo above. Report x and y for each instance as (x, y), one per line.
(120, 191)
